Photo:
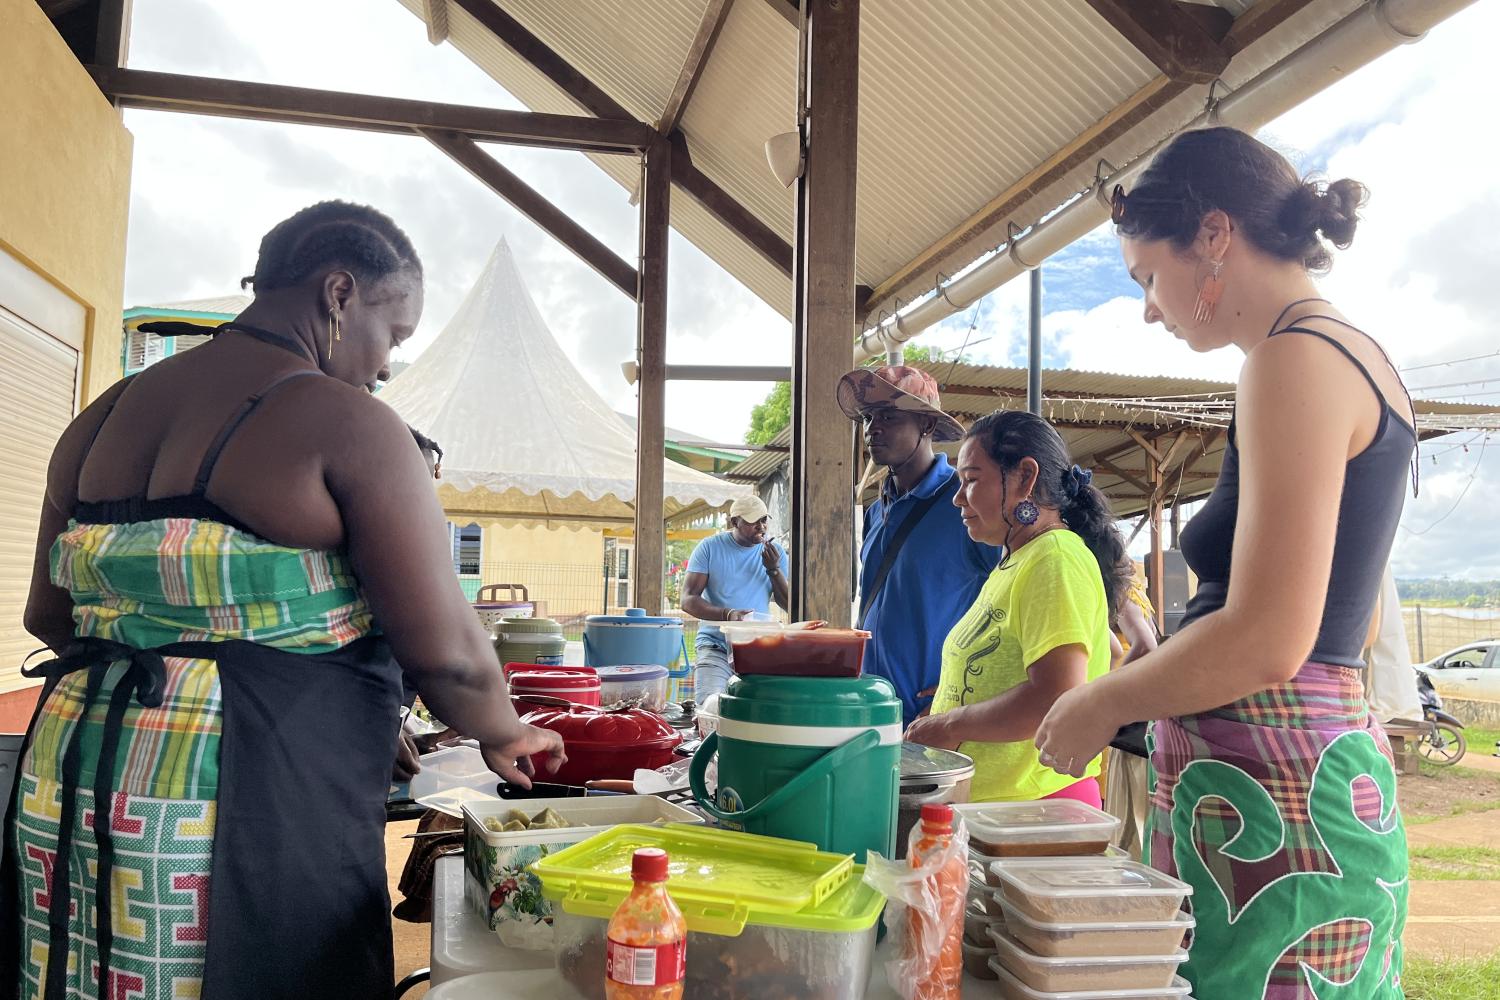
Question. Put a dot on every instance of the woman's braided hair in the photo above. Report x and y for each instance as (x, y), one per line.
(332, 234)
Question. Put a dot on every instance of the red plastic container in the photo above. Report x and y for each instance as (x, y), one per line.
(819, 652)
(604, 745)
(579, 685)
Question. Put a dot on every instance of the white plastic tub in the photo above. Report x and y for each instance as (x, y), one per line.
(982, 866)
(1105, 974)
(453, 776)
(498, 881)
(1012, 988)
(1090, 891)
(1048, 828)
(1119, 938)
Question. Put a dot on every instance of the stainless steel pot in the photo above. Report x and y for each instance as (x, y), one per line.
(929, 775)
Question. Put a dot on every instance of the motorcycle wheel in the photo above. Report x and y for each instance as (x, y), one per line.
(1442, 745)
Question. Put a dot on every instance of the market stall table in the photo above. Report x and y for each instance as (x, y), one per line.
(470, 963)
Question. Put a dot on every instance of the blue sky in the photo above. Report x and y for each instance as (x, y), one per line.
(1419, 276)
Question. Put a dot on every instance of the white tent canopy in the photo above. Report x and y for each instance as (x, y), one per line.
(524, 437)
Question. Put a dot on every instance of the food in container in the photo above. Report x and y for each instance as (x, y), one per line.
(498, 882)
(640, 684)
(1099, 973)
(1088, 890)
(1141, 937)
(929, 774)
(580, 685)
(985, 899)
(983, 868)
(977, 960)
(797, 650)
(977, 923)
(763, 914)
(1012, 988)
(604, 744)
(1048, 828)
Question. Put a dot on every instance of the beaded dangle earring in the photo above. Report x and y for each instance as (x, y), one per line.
(1026, 512)
(1209, 295)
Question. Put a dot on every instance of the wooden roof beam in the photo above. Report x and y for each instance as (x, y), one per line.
(530, 203)
(788, 9)
(300, 105)
(1258, 21)
(714, 16)
(1181, 39)
(594, 100)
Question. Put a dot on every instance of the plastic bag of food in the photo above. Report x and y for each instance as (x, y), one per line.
(924, 912)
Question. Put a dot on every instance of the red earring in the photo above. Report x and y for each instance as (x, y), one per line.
(1209, 295)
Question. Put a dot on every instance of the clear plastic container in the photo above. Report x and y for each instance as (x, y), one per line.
(645, 684)
(827, 952)
(1090, 891)
(985, 899)
(977, 960)
(982, 866)
(1074, 940)
(1048, 828)
(453, 776)
(1012, 988)
(796, 650)
(1106, 974)
(977, 924)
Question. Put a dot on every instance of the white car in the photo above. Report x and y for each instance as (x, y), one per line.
(1470, 671)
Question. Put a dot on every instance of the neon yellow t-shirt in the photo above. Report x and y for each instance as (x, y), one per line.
(1049, 595)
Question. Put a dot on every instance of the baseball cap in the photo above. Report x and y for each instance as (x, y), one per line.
(751, 508)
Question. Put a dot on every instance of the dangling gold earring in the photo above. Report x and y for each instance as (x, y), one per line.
(335, 331)
(1209, 294)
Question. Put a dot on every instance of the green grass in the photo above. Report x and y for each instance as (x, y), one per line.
(1481, 741)
(1447, 864)
(1451, 979)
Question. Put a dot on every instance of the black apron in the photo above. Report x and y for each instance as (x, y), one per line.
(297, 903)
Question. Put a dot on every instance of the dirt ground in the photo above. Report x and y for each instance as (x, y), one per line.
(1427, 795)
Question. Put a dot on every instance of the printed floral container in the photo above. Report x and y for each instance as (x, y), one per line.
(498, 882)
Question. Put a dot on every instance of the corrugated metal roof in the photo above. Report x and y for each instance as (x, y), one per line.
(227, 305)
(960, 100)
(1098, 414)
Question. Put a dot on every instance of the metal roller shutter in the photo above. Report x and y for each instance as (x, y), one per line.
(38, 387)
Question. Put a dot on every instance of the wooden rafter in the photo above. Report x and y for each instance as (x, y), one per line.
(530, 203)
(788, 9)
(435, 13)
(1177, 40)
(1116, 471)
(594, 100)
(714, 16)
(1255, 23)
(300, 105)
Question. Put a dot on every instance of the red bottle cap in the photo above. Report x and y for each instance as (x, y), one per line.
(937, 814)
(649, 865)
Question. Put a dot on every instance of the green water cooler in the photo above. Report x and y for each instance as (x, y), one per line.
(815, 759)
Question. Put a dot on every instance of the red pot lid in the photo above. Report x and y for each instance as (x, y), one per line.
(586, 726)
(554, 680)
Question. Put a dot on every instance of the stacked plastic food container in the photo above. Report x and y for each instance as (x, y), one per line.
(1056, 913)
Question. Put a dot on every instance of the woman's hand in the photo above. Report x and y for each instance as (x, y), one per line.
(1076, 730)
(935, 731)
(512, 759)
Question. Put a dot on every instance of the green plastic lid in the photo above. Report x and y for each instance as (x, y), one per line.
(528, 625)
(720, 879)
(822, 702)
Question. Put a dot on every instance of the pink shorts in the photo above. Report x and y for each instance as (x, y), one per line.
(1085, 791)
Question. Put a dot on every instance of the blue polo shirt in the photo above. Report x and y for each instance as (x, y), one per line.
(936, 578)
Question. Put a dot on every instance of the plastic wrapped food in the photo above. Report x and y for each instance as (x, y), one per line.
(1049, 828)
(1119, 938)
(1100, 974)
(1091, 891)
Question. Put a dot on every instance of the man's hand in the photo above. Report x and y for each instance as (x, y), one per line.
(735, 616)
(771, 557)
(512, 759)
(407, 764)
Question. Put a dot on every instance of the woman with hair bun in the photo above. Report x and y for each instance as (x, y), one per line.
(1040, 626)
(1275, 792)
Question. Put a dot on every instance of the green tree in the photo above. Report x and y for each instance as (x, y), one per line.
(771, 416)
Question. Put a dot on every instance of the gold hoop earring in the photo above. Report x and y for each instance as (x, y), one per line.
(335, 331)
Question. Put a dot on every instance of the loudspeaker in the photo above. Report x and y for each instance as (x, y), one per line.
(1174, 588)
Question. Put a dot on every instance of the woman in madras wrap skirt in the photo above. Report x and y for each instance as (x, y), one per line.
(234, 544)
(1275, 792)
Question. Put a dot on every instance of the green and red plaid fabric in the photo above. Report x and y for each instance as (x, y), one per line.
(149, 584)
(1280, 810)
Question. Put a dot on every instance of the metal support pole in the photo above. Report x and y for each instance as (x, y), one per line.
(1034, 351)
(823, 438)
(651, 356)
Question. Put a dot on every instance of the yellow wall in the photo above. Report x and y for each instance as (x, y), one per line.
(64, 179)
(561, 568)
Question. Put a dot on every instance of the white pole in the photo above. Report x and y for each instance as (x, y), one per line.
(1369, 32)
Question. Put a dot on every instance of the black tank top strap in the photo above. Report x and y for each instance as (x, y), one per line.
(232, 424)
(1363, 369)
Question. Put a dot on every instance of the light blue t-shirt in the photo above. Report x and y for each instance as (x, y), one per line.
(737, 578)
